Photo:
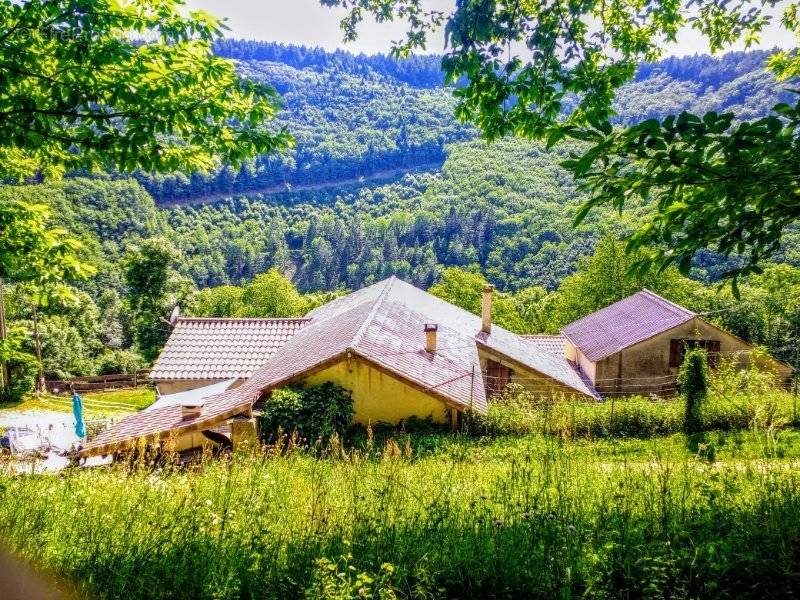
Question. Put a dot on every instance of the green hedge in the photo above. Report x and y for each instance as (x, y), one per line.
(314, 413)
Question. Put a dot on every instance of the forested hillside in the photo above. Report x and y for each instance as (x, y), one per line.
(355, 116)
(503, 210)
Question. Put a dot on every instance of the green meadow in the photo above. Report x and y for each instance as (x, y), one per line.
(429, 514)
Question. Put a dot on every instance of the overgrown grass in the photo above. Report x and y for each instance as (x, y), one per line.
(534, 516)
(737, 400)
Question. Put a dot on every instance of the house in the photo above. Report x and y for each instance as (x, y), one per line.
(400, 351)
(637, 345)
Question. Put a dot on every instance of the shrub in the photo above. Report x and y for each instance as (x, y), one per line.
(22, 371)
(316, 412)
(119, 361)
(22, 367)
(694, 387)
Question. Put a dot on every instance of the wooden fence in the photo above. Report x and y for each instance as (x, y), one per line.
(99, 383)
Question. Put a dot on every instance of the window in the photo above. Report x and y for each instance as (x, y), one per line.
(497, 377)
(677, 350)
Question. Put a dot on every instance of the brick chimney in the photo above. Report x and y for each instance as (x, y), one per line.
(486, 309)
(191, 409)
(431, 330)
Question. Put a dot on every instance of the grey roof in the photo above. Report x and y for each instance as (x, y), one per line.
(625, 323)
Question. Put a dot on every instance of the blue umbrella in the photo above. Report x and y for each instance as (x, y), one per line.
(77, 410)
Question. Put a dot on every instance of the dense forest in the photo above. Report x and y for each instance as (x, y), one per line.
(463, 211)
(355, 116)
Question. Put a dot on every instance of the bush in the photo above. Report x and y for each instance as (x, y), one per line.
(119, 361)
(694, 387)
(22, 371)
(315, 413)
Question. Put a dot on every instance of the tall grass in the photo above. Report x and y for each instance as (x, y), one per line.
(736, 400)
(542, 518)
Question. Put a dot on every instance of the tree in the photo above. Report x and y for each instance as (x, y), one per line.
(271, 294)
(730, 188)
(33, 254)
(91, 84)
(220, 301)
(465, 289)
(147, 269)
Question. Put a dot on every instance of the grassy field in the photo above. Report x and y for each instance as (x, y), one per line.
(96, 404)
(428, 516)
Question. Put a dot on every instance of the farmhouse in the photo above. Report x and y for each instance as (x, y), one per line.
(637, 345)
(400, 351)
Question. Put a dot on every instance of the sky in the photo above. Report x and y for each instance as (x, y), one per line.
(307, 22)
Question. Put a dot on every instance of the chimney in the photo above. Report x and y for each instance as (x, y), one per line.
(486, 309)
(191, 409)
(430, 337)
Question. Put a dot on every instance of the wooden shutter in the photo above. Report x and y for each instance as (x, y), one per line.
(497, 377)
(675, 347)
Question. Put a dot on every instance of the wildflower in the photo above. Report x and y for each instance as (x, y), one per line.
(570, 528)
(526, 515)
(498, 523)
(208, 502)
(550, 516)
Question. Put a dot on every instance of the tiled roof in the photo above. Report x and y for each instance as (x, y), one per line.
(222, 348)
(625, 323)
(554, 344)
(383, 325)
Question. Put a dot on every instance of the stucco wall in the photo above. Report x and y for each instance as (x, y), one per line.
(640, 365)
(381, 398)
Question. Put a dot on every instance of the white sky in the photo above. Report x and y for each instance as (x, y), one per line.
(307, 22)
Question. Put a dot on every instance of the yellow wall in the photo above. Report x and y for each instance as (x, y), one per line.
(378, 397)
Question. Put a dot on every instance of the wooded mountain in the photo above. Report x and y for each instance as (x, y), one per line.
(436, 197)
(358, 116)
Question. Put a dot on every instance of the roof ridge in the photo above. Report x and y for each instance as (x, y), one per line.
(376, 304)
(245, 319)
(683, 309)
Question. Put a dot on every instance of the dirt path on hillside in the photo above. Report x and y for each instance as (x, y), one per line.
(302, 187)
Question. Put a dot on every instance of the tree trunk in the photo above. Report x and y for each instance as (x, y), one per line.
(38, 344)
(3, 365)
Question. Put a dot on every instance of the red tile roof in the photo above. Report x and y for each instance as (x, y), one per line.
(554, 344)
(222, 348)
(625, 323)
(382, 324)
